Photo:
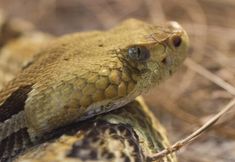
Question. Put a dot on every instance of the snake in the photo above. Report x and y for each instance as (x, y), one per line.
(82, 75)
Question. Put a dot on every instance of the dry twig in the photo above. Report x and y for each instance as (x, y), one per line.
(194, 135)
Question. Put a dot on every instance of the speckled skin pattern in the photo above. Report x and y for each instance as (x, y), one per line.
(85, 74)
(128, 134)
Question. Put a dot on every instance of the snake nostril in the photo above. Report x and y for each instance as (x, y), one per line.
(176, 41)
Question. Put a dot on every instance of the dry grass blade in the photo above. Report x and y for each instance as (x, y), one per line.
(212, 77)
(194, 135)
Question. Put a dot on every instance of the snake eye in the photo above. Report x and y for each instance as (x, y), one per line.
(138, 53)
(176, 41)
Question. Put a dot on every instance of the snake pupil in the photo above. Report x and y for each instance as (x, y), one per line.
(138, 53)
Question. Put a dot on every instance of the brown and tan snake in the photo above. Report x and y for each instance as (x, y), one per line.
(81, 75)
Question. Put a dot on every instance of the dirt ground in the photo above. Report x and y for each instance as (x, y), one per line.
(189, 98)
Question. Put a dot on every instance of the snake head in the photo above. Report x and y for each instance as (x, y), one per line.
(151, 52)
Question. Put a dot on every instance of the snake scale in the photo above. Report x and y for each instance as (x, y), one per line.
(81, 75)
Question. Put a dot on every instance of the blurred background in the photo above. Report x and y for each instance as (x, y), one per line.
(186, 100)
